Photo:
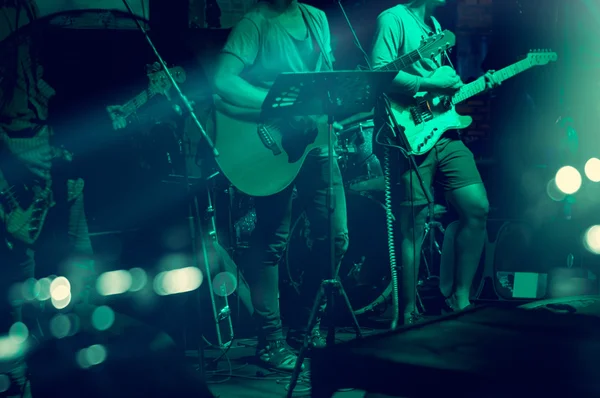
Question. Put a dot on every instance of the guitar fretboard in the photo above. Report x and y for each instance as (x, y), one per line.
(402, 62)
(137, 102)
(434, 48)
(478, 86)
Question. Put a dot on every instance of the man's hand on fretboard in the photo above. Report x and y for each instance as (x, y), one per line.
(117, 116)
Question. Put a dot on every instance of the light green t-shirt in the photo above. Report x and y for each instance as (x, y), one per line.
(267, 49)
(398, 32)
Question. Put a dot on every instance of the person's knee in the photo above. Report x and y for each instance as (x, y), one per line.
(477, 213)
(274, 253)
(341, 243)
(267, 252)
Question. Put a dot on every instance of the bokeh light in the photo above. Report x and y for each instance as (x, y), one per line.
(43, 287)
(103, 318)
(568, 180)
(178, 281)
(139, 279)
(224, 284)
(18, 332)
(113, 283)
(592, 169)
(60, 326)
(30, 289)
(91, 356)
(591, 239)
(60, 288)
(553, 192)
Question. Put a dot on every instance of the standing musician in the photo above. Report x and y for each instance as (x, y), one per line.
(26, 171)
(399, 31)
(280, 36)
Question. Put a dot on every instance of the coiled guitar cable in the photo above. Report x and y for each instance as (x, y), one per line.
(389, 225)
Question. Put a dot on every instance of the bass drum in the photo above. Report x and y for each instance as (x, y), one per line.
(365, 269)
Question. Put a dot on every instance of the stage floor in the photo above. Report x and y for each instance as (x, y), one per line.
(236, 375)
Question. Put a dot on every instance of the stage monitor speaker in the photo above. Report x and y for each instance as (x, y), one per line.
(549, 349)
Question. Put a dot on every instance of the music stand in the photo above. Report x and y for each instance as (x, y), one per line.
(333, 94)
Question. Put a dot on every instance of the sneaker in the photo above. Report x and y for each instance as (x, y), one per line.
(412, 318)
(295, 339)
(275, 355)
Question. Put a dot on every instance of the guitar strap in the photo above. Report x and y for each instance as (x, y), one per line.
(317, 34)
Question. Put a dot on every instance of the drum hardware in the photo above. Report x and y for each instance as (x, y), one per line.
(364, 269)
(429, 232)
(431, 226)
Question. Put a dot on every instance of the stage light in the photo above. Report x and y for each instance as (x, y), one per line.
(568, 180)
(591, 239)
(592, 169)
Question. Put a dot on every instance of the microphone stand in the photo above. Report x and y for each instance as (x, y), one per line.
(194, 223)
(402, 142)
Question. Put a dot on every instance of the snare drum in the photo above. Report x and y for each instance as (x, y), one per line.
(365, 269)
(362, 170)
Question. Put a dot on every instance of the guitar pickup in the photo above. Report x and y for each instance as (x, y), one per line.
(267, 140)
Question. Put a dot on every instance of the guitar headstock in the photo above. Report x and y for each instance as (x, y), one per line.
(160, 82)
(541, 57)
(434, 45)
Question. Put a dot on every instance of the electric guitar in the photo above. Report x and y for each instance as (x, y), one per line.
(159, 84)
(428, 117)
(262, 159)
(25, 201)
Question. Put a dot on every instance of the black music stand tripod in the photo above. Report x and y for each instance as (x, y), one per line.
(332, 94)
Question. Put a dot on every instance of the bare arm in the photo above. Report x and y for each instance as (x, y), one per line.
(240, 52)
(232, 88)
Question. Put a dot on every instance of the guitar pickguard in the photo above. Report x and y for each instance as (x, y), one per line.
(294, 143)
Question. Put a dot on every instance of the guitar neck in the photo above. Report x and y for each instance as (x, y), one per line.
(478, 86)
(402, 62)
(137, 102)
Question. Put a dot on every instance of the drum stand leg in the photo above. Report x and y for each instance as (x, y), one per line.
(429, 232)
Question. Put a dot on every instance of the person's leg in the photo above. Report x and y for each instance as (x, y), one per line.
(412, 211)
(313, 185)
(465, 191)
(270, 238)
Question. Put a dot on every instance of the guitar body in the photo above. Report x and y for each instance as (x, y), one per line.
(23, 221)
(426, 120)
(259, 160)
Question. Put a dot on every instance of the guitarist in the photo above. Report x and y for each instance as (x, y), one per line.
(274, 37)
(399, 30)
(26, 158)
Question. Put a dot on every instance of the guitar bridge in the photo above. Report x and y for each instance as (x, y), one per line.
(267, 140)
(421, 112)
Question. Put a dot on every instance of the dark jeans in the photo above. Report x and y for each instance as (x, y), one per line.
(274, 218)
